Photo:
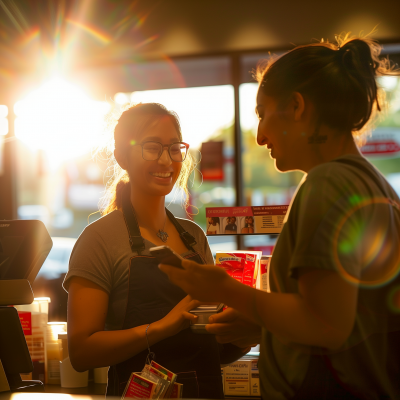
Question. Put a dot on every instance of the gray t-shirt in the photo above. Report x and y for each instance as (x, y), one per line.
(102, 254)
(338, 221)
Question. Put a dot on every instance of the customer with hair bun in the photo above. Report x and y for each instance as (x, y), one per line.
(330, 326)
(119, 302)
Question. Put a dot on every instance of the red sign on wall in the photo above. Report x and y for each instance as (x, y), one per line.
(380, 148)
(384, 142)
(212, 161)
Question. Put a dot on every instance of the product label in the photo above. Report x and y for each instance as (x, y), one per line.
(240, 265)
(264, 267)
(254, 380)
(139, 388)
(237, 379)
(26, 322)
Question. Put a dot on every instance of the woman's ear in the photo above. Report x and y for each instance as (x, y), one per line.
(298, 106)
(121, 158)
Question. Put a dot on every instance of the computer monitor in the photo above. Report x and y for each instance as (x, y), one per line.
(24, 245)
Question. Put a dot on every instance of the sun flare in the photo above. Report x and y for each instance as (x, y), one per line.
(60, 119)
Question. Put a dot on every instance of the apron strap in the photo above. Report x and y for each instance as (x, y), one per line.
(188, 240)
(135, 238)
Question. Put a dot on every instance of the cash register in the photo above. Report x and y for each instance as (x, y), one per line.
(24, 246)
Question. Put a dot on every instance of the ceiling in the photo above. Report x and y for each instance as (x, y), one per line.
(40, 36)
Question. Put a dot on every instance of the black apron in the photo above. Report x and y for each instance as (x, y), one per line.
(195, 358)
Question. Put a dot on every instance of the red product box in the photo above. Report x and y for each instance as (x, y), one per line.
(241, 265)
(236, 273)
(176, 391)
(139, 388)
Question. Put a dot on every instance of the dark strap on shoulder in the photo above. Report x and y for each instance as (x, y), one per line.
(135, 238)
(188, 240)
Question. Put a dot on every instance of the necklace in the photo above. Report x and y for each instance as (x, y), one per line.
(162, 234)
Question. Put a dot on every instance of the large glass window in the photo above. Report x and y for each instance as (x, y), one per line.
(262, 183)
(57, 126)
(383, 147)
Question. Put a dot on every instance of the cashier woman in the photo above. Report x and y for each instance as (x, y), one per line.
(122, 310)
(331, 324)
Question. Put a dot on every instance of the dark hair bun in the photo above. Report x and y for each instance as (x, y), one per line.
(340, 81)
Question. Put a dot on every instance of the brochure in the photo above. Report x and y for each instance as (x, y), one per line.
(245, 220)
(170, 375)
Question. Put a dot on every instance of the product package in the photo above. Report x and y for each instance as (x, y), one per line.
(34, 319)
(264, 273)
(154, 382)
(245, 220)
(241, 265)
(139, 387)
(176, 391)
(157, 376)
(170, 376)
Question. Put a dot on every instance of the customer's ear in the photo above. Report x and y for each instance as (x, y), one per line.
(298, 106)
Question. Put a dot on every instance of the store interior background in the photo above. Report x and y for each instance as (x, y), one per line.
(66, 66)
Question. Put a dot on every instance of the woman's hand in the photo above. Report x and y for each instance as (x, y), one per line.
(179, 317)
(230, 326)
(204, 282)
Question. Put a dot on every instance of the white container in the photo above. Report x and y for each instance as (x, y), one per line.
(71, 378)
(35, 330)
(100, 375)
(53, 354)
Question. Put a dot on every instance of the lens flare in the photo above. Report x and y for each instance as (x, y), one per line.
(381, 260)
(394, 300)
(178, 77)
(92, 31)
(30, 36)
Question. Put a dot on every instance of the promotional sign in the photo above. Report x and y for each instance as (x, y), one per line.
(212, 161)
(245, 220)
(384, 142)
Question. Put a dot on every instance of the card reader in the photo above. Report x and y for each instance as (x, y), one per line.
(203, 312)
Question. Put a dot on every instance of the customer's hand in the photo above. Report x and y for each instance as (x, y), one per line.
(179, 317)
(204, 282)
(230, 326)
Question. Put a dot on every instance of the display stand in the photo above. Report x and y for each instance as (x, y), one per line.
(14, 354)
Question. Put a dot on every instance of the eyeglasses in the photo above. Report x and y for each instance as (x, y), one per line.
(152, 151)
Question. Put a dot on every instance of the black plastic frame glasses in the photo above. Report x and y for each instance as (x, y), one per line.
(152, 151)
